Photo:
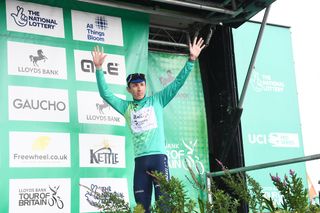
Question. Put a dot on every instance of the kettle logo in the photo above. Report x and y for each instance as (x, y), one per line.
(20, 18)
(39, 57)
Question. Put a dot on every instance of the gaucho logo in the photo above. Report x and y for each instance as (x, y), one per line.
(32, 18)
(40, 197)
(45, 105)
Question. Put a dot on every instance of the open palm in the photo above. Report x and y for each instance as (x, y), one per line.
(98, 56)
(195, 48)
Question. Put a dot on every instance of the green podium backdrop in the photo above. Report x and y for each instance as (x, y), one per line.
(55, 130)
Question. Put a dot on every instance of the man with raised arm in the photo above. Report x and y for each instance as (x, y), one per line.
(144, 116)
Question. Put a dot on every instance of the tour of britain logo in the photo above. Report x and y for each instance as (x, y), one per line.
(97, 28)
(36, 60)
(34, 18)
(93, 109)
(39, 195)
(101, 150)
(180, 156)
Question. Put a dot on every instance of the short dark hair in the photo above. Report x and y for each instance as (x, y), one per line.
(135, 78)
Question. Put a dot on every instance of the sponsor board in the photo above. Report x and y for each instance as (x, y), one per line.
(265, 83)
(34, 18)
(39, 195)
(93, 109)
(38, 104)
(101, 150)
(182, 154)
(114, 68)
(36, 60)
(39, 149)
(275, 139)
(119, 185)
(96, 28)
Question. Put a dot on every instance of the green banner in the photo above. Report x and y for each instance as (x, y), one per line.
(55, 130)
(270, 120)
(184, 116)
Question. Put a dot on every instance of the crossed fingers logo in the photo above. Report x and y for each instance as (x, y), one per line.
(19, 17)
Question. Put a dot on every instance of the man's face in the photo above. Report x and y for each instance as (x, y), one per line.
(137, 90)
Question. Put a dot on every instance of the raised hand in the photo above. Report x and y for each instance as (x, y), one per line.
(98, 56)
(20, 18)
(195, 48)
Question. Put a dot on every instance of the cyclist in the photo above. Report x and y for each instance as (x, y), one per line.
(144, 116)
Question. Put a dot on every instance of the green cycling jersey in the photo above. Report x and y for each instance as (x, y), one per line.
(145, 116)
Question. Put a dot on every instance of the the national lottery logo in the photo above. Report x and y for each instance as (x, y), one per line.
(39, 195)
(34, 18)
(265, 83)
(97, 28)
(102, 150)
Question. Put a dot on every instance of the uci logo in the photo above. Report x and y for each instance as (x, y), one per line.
(88, 66)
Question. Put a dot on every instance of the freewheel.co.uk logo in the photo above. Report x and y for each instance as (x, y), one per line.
(34, 18)
(39, 149)
(40, 195)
